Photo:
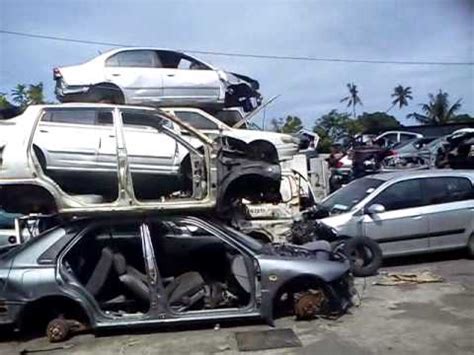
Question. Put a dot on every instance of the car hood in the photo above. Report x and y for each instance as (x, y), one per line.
(336, 221)
(234, 78)
(250, 136)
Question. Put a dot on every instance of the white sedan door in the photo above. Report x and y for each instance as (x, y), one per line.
(138, 73)
(189, 80)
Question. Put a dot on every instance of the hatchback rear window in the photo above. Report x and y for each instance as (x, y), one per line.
(448, 189)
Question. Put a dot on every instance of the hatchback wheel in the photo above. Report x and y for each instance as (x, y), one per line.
(470, 246)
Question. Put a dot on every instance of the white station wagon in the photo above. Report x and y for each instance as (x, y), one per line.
(154, 76)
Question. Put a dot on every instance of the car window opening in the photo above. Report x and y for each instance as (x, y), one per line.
(199, 270)
(109, 262)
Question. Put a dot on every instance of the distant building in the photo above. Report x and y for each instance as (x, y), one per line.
(436, 130)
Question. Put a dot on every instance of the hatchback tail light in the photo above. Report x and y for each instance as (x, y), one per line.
(339, 164)
(391, 152)
(57, 74)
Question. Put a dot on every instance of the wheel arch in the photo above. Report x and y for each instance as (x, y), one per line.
(111, 88)
(45, 308)
(40, 199)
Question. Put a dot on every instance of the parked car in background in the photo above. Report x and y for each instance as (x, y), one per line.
(84, 158)
(406, 212)
(406, 154)
(280, 146)
(136, 271)
(389, 138)
(157, 77)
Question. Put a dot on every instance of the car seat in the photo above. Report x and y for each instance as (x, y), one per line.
(183, 291)
(100, 273)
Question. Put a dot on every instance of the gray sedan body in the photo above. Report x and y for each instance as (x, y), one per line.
(407, 212)
(42, 273)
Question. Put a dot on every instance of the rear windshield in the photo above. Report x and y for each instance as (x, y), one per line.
(347, 197)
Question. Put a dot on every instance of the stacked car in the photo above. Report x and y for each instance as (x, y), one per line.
(131, 205)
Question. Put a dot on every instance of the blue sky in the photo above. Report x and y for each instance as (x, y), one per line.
(415, 30)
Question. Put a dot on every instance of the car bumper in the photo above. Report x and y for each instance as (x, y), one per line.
(66, 93)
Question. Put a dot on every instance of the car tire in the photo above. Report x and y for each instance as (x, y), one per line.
(364, 254)
(57, 330)
(470, 246)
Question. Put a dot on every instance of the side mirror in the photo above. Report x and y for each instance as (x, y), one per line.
(375, 209)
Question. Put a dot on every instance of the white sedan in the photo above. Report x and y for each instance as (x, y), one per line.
(154, 76)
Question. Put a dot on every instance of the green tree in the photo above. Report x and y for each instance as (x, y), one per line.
(353, 98)
(401, 96)
(4, 103)
(20, 95)
(438, 110)
(331, 127)
(290, 124)
(376, 122)
(35, 94)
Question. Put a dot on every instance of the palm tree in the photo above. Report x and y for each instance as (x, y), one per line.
(353, 98)
(401, 95)
(35, 94)
(20, 95)
(438, 110)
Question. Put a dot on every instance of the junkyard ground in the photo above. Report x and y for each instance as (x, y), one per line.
(436, 318)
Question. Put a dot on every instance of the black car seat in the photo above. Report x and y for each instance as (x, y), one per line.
(132, 279)
(101, 271)
(183, 291)
(186, 289)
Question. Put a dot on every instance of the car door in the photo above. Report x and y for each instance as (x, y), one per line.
(450, 211)
(149, 151)
(138, 73)
(185, 78)
(68, 138)
(403, 227)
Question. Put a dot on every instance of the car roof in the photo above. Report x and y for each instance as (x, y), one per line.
(402, 175)
(93, 105)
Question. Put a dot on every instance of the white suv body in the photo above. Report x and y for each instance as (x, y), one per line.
(83, 158)
(154, 76)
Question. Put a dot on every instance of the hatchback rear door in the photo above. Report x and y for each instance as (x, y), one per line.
(450, 211)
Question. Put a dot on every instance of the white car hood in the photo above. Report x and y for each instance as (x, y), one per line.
(249, 136)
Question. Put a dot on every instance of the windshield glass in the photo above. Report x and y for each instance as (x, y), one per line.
(347, 197)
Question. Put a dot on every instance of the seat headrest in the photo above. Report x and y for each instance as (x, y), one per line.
(120, 264)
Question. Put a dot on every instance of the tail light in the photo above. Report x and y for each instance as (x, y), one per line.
(339, 164)
(390, 152)
(57, 74)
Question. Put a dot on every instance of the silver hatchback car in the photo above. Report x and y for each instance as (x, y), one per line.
(407, 212)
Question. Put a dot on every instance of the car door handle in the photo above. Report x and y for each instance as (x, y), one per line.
(170, 74)
(115, 74)
(111, 135)
(417, 217)
(44, 131)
